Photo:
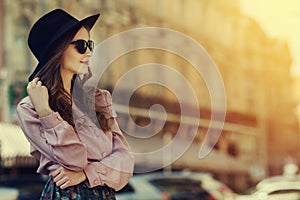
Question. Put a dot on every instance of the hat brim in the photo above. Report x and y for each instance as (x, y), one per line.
(87, 22)
(37, 68)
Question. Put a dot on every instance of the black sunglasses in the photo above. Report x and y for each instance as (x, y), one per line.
(82, 45)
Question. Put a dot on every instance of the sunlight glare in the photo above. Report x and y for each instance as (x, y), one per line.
(279, 19)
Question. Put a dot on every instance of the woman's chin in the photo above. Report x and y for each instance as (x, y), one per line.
(84, 69)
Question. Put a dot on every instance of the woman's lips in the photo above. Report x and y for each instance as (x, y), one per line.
(85, 62)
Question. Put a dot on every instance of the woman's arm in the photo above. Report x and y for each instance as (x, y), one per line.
(52, 136)
(115, 169)
(47, 132)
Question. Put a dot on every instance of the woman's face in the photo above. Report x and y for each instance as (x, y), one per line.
(73, 61)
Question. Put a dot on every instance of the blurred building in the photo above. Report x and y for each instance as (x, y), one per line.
(261, 129)
(255, 70)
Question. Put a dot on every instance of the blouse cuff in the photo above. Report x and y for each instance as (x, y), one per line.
(51, 121)
(104, 103)
(93, 173)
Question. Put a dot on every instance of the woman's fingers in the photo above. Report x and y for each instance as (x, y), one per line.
(39, 83)
(62, 182)
(57, 172)
(34, 81)
(65, 178)
(57, 175)
(60, 178)
(65, 184)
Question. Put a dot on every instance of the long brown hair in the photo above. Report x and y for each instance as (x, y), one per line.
(59, 99)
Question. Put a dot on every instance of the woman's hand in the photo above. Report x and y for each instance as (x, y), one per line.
(65, 178)
(39, 96)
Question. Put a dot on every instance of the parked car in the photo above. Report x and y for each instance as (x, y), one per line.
(275, 188)
(174, 186)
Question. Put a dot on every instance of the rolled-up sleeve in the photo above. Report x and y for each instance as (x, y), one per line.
(115, 170)
(53, 137)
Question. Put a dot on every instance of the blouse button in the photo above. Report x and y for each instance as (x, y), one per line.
(104, 154)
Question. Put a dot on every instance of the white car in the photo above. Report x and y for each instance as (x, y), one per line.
(276, 188)
(174, 186)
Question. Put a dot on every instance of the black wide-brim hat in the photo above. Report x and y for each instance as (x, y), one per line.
(48, 29)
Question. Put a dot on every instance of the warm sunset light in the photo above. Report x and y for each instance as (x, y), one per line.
(278, 18)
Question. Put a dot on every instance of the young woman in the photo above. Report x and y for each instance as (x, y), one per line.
(72, 131)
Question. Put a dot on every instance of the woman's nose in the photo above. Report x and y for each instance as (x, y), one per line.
(88, 52)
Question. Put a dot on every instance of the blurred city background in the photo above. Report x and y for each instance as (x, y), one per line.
(254, 44)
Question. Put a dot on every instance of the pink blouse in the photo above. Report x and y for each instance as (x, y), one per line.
(104, 156)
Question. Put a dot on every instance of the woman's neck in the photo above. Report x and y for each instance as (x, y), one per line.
(67, 80)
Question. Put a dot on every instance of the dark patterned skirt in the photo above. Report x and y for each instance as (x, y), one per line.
(77, 192)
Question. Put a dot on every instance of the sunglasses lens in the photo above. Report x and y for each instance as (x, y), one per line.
(81, 46)
(90, 44)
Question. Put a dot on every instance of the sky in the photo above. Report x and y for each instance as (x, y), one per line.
(279, 19)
